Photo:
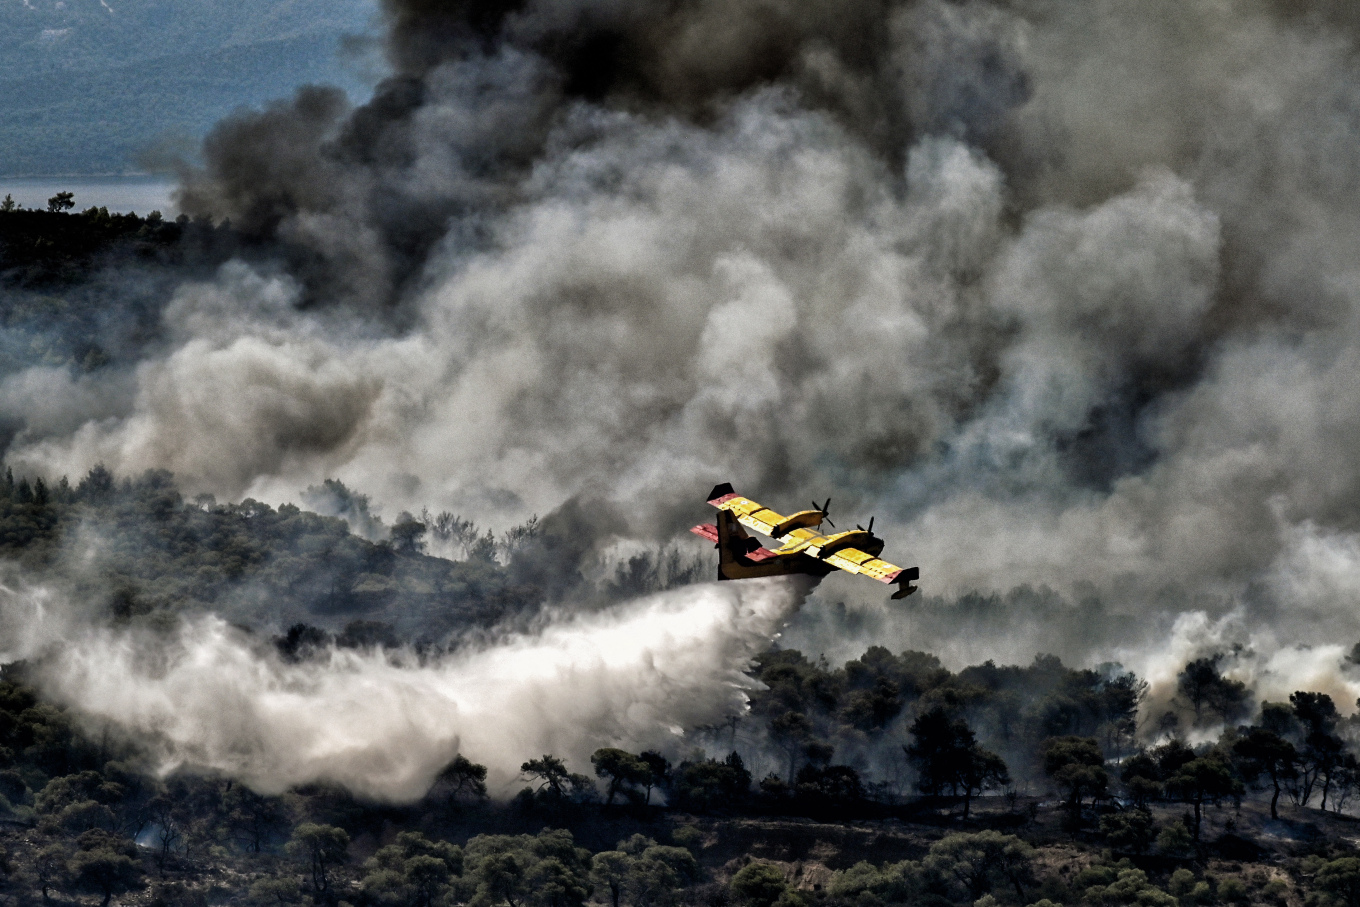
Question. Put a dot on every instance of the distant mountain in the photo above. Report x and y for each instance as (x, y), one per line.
(86, 85)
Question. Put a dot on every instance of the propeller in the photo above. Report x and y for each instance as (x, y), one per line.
(870, 530)
(823, 508)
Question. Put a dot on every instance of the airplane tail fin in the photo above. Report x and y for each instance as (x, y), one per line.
(720, 491)
(731, 537)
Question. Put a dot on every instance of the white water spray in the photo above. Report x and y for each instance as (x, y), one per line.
(636, 675)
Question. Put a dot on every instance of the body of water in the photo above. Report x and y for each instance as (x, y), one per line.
(142, 194)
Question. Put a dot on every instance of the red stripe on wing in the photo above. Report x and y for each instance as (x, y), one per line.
(707, 530)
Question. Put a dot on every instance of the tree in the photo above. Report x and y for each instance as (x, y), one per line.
(658, 773)
(1206, 779)
(319, 847)
(792, 732)
(623, 770)
(1131, 886)
(1142, 779)
(946, 754)
(1205, 687)
(253, 818)
(412, 871)
(758, 885)
(1320, 749)
(104, 864)
(652, 873)
(710, 784)
(1346, 777)
(610, 870)
(865, 883)
(1263, 752)
(164, 812)
(1077, 766)
(6, 207)
(1175, 839)
(1341, 879)
(50, 867)
(408, 535)
(1130, 830)
(62, 201)
(979, 862)
(466, 779)
(550, 771)
(557, 785)
(548, 870)
(979, 771)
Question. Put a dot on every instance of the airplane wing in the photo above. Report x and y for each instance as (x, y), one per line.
(750, 514)
(852, 560)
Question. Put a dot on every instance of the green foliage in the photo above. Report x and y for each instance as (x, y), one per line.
(557, 785)
(625, 772)
(546, 870)
(462, 781)
(709, 785)
(976, 864)
(62, 201)
(642, 873)
(758, 884)
(807, 702)
(870, 885)
(49, 867)
(1142, 778)
(1205, 688)
(1340, 881)
(275, 892)
(1232, 890)
(1131, 886)
(104, 864)
(412, 872)
(1130, 830)
(1204, 780)
(318, 848)
(1276, 891)
(1175, 839)
(1181, 882)
(946, 755)
(1076, 765)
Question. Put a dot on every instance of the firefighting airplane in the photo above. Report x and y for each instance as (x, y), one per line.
(803, 549)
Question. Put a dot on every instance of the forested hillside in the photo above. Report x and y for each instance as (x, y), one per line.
(1034, 784)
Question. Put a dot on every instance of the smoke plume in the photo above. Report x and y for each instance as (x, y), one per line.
(1064, 294)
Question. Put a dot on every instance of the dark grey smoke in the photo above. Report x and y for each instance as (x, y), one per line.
(1064, 294)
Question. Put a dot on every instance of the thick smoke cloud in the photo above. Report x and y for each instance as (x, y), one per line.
(211, 698)
(1063, 293)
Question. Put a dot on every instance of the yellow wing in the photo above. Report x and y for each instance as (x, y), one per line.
(852, 560)
(750, 514)
(799, 540)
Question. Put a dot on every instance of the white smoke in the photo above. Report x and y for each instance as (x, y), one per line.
(638, 675)
(1065, 294)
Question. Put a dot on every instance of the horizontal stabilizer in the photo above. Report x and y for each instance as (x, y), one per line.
(708, 531)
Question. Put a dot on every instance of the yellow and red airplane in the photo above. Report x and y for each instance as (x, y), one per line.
(802, 549)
